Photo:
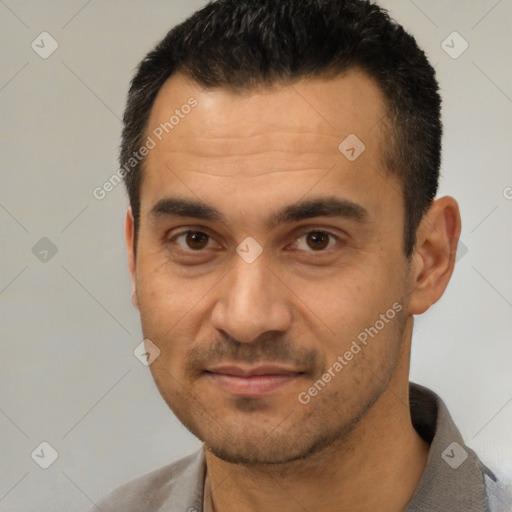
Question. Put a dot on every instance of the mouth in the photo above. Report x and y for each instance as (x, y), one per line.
(256, 381)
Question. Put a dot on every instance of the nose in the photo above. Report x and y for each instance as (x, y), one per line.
(251, 300)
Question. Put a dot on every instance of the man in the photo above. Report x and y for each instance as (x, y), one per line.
(282, 159)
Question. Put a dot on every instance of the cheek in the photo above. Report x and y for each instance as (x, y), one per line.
(161, 302)
(348, 301)
(159, 290)
(363, 314)
(359, 367)
(171, 312)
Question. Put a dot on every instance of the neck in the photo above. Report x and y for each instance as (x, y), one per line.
(377, 466)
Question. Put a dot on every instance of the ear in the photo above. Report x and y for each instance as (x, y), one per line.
(129, 233)
(434, 254)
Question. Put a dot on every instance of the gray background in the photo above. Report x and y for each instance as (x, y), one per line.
(68, 375)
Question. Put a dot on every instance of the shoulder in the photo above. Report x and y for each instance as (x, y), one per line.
(499, 494)
(176, 486)
(455, 478)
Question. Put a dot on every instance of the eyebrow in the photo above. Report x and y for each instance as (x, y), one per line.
(321, 207)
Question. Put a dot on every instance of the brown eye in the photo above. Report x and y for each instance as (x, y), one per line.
(197, 240)
(317, 240)
(193, 240)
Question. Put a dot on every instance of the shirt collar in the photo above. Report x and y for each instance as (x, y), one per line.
(454, 476)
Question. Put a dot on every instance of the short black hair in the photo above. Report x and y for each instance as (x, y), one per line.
(241, 44)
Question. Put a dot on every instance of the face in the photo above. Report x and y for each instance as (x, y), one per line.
(270, 270)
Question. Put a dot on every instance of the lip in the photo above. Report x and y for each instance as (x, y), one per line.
(256, 381)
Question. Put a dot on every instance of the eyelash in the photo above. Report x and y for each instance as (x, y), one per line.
(306, 233)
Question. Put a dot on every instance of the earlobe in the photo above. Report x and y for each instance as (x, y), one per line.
(135, 299)
(434, 255)
(129, 232)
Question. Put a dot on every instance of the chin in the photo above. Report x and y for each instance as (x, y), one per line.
(254, 456)
(267, 449)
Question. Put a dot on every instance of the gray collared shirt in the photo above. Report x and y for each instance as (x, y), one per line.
(454, 479)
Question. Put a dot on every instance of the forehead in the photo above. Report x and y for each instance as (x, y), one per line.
(266, 142)
(350, 102)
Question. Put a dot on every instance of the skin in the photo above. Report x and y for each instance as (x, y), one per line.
(300, 304)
